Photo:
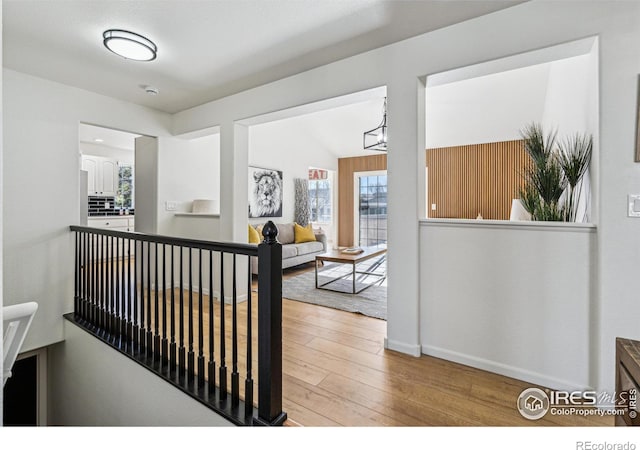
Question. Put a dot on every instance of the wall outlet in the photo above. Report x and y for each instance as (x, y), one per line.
(634, 205)
(433, 207)
(171, 206)
(107, 205)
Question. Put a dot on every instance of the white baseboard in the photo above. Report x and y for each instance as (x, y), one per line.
(534, 378)
(409, 349)
(205, 291)
(229, 299)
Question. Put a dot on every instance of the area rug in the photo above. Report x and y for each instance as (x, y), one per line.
(371, 302)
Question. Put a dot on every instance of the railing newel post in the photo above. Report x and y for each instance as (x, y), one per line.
(270, 328)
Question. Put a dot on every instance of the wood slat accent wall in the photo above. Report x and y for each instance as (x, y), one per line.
(346, 168)
(470, 179)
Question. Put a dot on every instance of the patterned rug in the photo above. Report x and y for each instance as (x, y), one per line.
(371, 302)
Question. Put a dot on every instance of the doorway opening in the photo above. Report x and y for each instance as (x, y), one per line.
(107, 174)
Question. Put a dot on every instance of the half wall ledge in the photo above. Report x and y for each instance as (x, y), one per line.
(510, 224)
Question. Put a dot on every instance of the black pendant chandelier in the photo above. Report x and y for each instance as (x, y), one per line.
(376, 139)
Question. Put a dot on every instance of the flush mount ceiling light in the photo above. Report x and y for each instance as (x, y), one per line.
(129, 45)
(376, 139)
(151, 90)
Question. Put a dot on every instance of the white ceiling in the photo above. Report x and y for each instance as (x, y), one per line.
(106, 137)
(209, 49)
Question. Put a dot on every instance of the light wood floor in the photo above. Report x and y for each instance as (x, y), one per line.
(337, 373)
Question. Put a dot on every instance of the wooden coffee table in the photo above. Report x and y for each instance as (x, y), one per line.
(337, 256)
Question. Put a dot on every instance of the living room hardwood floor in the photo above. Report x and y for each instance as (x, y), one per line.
(337, 373)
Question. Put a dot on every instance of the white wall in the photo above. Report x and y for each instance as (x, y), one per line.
(490, 108)
(188, 170)
(566, 107)
(41, 160)
(281, 145)
(522, 28)
(1, 210)
(512, 298)
(120, 155)
(203, 227)
(146, 188)
(570, 108)
(496, 107)
(110, 389)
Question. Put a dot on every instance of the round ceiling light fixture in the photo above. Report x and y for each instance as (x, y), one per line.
(129, 45)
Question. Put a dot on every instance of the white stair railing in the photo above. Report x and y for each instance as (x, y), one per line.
(16, 321)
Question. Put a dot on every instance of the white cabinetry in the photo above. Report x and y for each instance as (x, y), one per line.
(117, 223)
(102, 175)
(120, 223)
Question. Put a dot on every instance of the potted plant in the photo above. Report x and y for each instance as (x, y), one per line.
(553, 187)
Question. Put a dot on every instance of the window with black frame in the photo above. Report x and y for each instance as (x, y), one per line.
(372, 210)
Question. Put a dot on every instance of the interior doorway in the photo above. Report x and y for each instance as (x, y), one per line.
(107, 172)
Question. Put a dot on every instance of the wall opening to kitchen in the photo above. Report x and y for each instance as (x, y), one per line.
(107, 174)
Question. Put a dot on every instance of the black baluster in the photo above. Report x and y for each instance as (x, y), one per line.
(92, 280)
(77, 277)
(98, 281)
(190, 354)
(87, 311)
(112, 292)
(123, 297)
(156, 343)
(248, 382)
(223, 368)
(235, 376)
(212, 361)
(165, 341)
(143, 331)
(136, 328)
(129, 324)
(85, 276)
(149, 329)
(172, 351)
(116, 288)
(103, 281)
(116, 263)
(200, 323)
(181, 350)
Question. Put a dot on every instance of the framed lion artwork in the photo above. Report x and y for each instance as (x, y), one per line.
(265, 192)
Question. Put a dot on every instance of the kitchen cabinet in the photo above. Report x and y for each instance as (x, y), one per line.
(119, 223)
(116, 223)
(102, 175)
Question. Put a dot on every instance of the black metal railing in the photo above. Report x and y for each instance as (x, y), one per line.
(177, 307)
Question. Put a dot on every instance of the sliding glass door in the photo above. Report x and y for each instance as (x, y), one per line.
(371, 205)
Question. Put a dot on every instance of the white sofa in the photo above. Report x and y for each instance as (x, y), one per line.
(294, 254)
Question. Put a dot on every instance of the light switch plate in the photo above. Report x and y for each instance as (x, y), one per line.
(634, 205)
(170, 206)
